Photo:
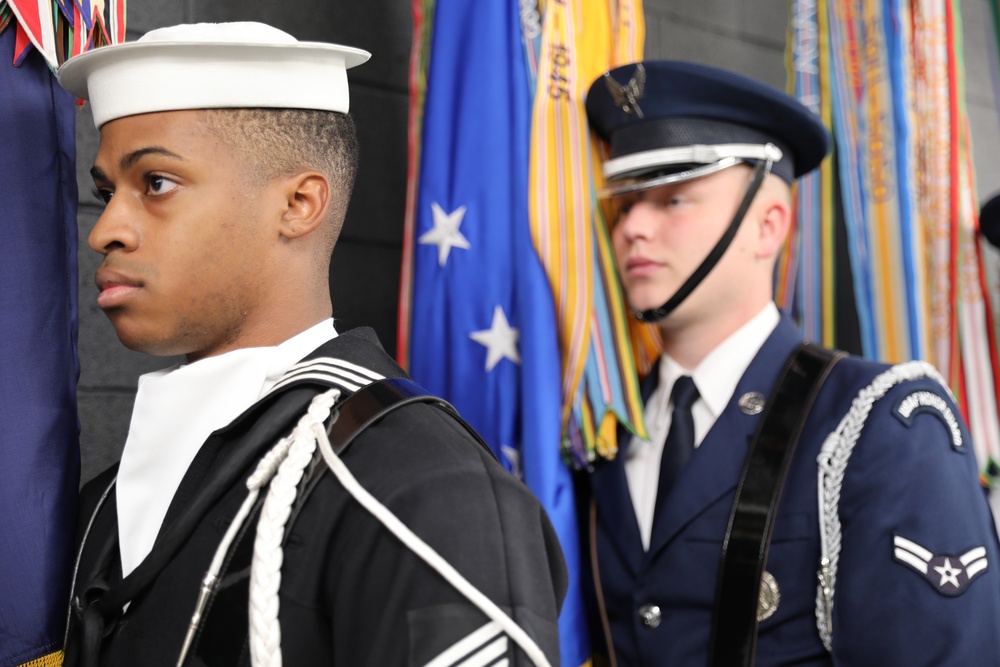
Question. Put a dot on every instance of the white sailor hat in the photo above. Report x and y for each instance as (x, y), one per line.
(211, 66)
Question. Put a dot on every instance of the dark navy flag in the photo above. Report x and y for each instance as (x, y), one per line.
(482, 332)
(39, 433)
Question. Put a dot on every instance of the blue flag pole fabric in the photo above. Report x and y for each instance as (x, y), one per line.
(482, 332)
(39, 432)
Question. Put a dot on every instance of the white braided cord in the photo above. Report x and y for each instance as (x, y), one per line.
(426, 552)
(832, 461)
(265, 569)
(325, 369)
(285, 463)
(266, 468)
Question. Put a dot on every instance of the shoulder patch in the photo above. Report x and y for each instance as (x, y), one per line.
(948, 574)
(927, 401)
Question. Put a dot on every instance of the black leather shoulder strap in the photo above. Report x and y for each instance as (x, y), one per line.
(751, 522)
(363, 408)
(374, 401)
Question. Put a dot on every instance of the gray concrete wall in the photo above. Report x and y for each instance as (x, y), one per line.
(748, 37)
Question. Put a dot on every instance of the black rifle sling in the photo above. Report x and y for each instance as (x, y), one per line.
(751, 522)
(224, 625)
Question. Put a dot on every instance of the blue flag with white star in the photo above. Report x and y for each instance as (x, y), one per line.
(39, 434)
(482, 330)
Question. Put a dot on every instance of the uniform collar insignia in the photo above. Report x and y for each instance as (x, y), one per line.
(627, 97)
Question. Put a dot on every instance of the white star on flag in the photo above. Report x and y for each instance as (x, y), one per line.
(500, 340)
(445, 234)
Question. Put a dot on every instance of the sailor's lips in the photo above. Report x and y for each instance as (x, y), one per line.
(115, 289)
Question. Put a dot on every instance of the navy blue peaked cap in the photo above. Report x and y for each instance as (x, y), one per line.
(666, 104)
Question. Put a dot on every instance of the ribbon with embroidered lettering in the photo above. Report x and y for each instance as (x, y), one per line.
(581, 39)
(808, 269)
(962, 339)
(917, 273)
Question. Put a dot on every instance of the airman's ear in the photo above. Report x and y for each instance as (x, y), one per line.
(776, 220)
(307, 199)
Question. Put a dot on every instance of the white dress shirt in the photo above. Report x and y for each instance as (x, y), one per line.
(716, 377)
(176, 409)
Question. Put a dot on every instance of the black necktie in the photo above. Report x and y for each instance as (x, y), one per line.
(679, 445)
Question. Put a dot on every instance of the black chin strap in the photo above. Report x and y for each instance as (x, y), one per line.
(762, 169)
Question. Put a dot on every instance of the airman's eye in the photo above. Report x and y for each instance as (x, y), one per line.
(159, 185)
(624, 204)
(668, 200)
(102, 194)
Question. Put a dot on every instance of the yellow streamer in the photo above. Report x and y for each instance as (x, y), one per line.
(581, 39)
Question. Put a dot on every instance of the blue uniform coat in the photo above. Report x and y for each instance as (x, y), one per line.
(905, 478)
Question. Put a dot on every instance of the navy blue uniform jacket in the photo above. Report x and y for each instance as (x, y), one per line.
(915, 529)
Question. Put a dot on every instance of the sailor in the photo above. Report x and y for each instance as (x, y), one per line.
(286, 494)
(793, 505)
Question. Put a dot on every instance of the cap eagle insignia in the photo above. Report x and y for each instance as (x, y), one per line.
(627, 97)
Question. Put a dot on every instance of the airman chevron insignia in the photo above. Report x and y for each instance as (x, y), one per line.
(949, 574)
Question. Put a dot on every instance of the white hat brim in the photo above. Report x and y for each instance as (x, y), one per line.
(146, 77)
